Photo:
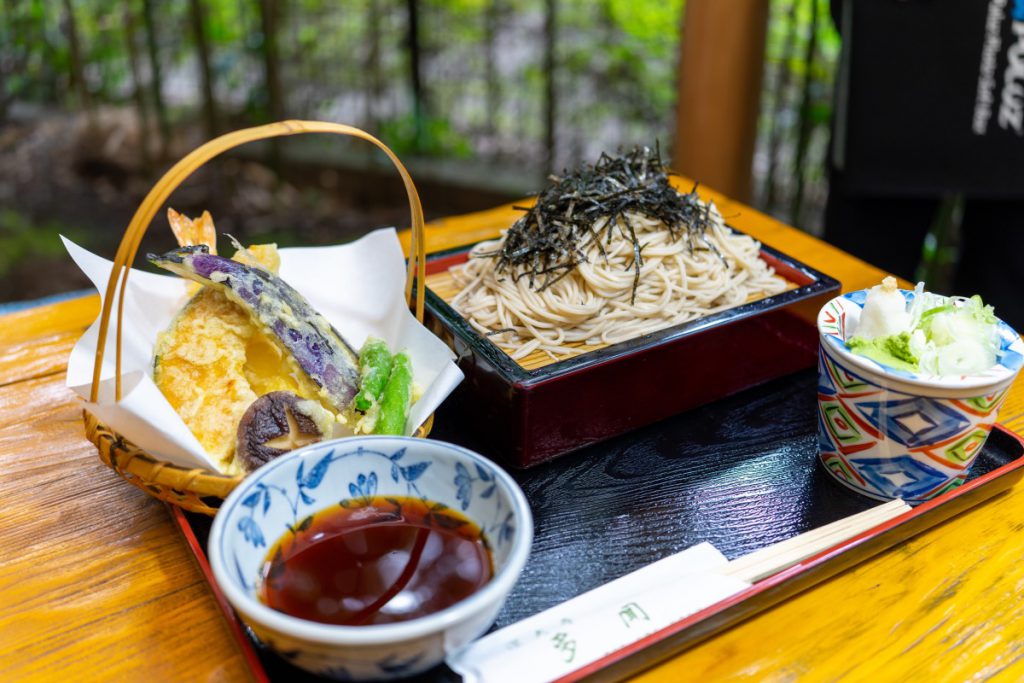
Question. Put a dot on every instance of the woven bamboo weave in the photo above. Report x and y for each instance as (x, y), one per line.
(200, 490)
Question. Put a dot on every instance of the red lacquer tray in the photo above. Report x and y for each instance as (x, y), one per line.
(741, 473)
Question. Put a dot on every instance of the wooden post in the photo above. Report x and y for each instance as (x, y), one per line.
(720, 65)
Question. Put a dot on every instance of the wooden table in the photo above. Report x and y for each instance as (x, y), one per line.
(95, 581)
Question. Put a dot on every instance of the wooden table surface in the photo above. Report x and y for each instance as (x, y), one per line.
(95, 582)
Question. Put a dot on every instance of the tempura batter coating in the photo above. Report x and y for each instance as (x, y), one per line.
(214, 361)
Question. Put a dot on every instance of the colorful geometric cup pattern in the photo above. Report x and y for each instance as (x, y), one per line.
(887, 444)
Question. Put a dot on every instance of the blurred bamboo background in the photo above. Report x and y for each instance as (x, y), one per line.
(484, 98)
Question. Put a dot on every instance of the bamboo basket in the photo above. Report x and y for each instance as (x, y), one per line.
(200, 490)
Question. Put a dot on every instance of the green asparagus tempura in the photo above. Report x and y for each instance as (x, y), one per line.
(394, 403)
(374, 368)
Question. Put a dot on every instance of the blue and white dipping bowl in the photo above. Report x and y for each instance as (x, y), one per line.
(890, 433)
(305, 481)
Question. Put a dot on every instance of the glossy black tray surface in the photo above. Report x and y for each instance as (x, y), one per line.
(741, 473)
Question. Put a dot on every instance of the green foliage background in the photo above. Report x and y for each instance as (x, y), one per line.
(483, 101)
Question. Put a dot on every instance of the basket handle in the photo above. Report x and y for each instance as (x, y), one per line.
(129, 246)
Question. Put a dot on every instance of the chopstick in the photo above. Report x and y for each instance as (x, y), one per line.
(773, 559)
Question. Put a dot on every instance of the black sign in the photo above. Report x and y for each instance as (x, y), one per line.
(930, 97)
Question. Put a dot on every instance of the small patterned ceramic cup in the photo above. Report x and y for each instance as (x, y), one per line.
(890, 433)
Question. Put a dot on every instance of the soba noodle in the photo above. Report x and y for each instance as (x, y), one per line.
(595, 304)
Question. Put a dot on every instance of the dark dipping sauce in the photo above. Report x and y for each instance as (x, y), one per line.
(376, 561)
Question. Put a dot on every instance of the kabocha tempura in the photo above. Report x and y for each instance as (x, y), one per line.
(245, 336)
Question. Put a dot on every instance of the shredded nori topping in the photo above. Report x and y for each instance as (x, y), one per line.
(551, 239)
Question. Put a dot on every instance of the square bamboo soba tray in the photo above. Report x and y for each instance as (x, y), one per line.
(532, 410)
(741, 473)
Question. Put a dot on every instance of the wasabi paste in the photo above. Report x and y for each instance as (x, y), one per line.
(935, 334)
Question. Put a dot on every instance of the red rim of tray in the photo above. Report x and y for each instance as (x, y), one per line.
(681, 635)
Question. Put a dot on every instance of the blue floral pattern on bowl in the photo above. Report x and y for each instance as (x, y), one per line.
(281, 498)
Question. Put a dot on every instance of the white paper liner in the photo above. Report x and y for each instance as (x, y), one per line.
(578, 632)
(358, 287)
